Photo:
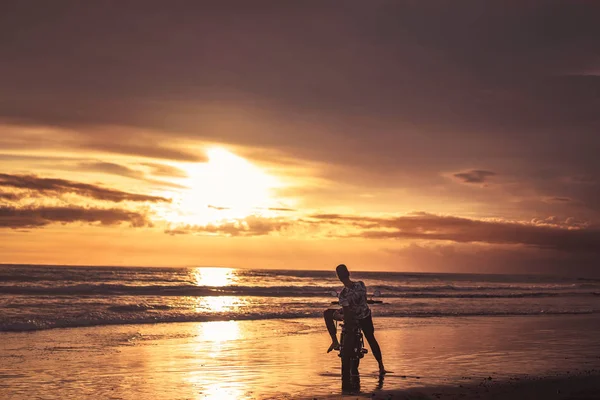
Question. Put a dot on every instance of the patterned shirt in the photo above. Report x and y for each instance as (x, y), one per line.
(356, 298)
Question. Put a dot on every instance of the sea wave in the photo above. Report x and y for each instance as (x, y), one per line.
(137, 307)
(447, 291)
(142, 318)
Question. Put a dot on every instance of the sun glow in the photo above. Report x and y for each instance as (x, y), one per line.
(224, 188)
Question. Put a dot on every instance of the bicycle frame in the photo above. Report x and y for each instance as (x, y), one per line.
(351, 351)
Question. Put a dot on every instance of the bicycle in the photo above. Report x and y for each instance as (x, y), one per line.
(351, 345)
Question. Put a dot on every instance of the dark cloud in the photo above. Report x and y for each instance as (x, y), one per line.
(357, 221)
(474, 176)
(398, 93)
(36, 217)
(62, 186)
(9, 196)
(543, 234)
(381, 77)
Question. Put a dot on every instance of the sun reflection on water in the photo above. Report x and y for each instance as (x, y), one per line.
(218, 331)
(218, 304)
(210, 276)
(218, 391)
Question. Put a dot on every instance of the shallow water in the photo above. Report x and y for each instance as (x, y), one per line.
(284, 358)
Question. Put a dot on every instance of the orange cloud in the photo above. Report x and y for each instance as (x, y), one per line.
(550, 234)
(36, 217)
(61, 186)
(249, 226)
(546, 234)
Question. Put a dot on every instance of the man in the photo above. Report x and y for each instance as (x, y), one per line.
(353, 298)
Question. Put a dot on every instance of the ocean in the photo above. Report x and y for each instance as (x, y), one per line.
(44, 297)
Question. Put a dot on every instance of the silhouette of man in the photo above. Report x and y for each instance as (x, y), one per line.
(353, 298)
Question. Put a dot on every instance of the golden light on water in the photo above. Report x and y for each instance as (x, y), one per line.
(218, 304)
(208, 276)
(215, 277)
(218, 391)
(218, 331)
(217, 383)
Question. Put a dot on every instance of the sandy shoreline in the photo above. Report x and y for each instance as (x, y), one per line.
(584, 386)
(286, 359)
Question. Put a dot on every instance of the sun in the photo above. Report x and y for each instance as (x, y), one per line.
(225, 187)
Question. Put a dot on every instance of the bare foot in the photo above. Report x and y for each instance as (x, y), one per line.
(334, 346)
(383, 371)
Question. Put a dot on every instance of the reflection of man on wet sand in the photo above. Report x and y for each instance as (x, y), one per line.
(354, 297)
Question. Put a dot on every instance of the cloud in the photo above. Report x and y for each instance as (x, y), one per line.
(280, 209)
(483, 258)
(150, 151)
(543, 234)
(63, 186)
(166, 170)
(18, 134)
(36, 217)
(9, 196)
(37, 158)
(474, 176)
(122, 170)
(422, 66)
(111, 168)
(391, 116)
(560, 199)
(249, 226)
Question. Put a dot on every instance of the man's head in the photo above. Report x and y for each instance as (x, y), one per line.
(342, 273)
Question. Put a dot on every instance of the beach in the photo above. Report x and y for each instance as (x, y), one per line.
(468, 357)
(191, 192)
(580, 387)
(221, 333)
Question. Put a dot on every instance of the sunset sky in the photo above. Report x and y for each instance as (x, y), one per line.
(445, 136)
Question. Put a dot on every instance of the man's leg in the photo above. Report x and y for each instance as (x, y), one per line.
(329, 322)
(366, 324)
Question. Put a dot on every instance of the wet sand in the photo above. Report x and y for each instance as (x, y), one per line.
(582, 386)
(279, 359)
